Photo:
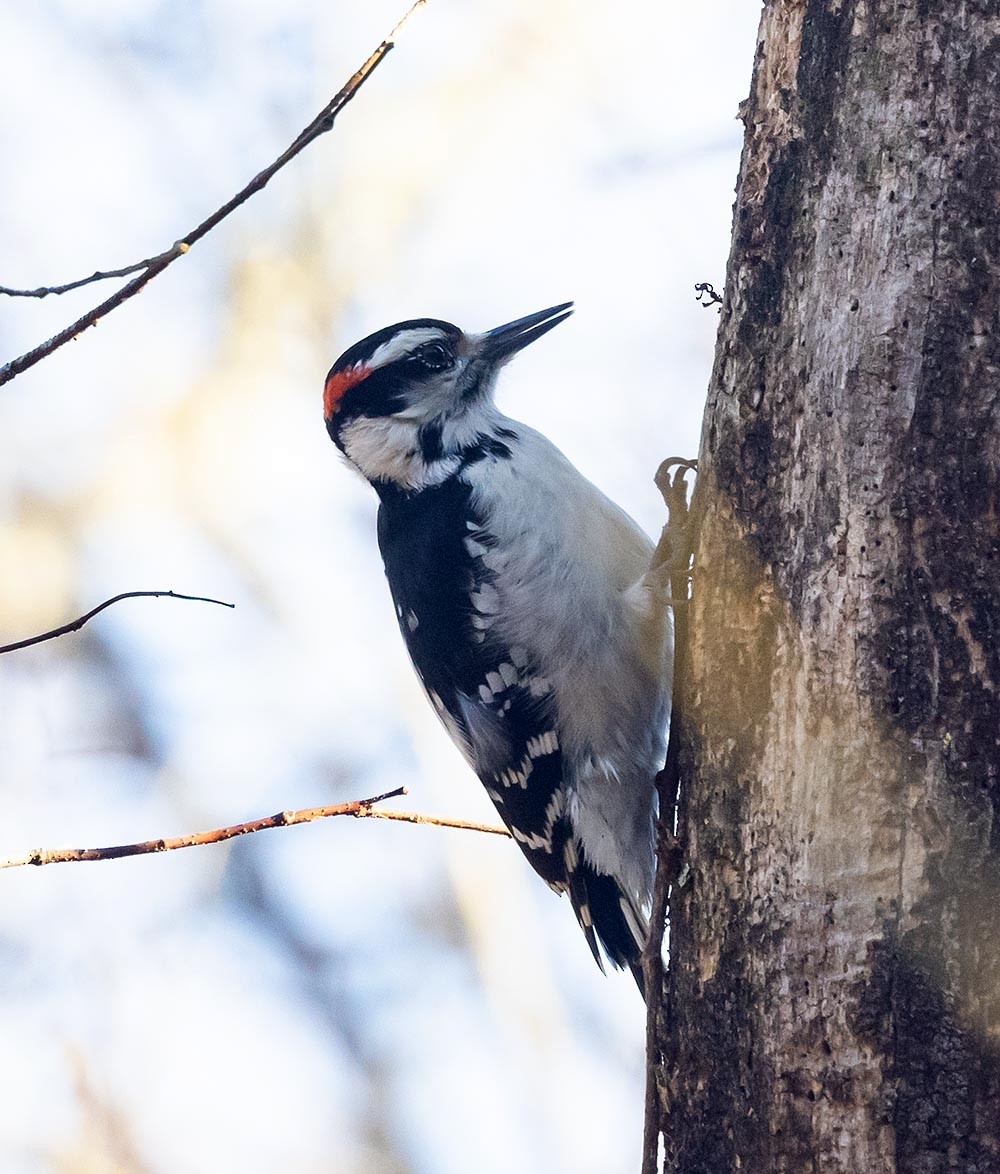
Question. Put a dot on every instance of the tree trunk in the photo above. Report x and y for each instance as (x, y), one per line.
(833, 996)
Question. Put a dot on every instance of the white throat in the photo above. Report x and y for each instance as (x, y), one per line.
(391, 448)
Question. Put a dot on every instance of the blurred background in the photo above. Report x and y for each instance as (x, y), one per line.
(346, 996)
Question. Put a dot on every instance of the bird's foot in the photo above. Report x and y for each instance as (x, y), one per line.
(673, 551)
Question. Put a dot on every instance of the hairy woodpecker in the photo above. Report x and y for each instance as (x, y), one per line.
(528, 604)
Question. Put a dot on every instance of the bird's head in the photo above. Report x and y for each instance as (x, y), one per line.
(402, 403)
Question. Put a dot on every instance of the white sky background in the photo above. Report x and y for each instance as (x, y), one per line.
(346, 996)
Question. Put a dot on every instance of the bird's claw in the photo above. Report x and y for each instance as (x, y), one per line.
(673, 550)
(667, 484)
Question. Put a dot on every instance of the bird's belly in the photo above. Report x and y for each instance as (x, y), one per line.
(606, 657)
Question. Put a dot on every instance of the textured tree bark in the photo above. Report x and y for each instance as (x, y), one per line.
(833, 997)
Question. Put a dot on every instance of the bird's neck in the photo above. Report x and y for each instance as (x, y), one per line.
(400, 455)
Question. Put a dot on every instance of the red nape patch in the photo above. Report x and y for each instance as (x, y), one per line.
(337, 383)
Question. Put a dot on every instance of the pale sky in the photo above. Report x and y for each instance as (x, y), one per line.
(349, 996)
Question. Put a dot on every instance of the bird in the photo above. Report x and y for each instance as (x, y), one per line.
(532, 607)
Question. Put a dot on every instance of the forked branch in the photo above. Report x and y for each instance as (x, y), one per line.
(359, 808)
(148, 269)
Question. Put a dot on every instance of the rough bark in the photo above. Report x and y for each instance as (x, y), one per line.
(833, 996)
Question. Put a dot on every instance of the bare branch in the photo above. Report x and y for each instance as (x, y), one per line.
(440, 821)
(359, 808)
(43, 291)
(705, 289)
(77, 624)
(153, 266)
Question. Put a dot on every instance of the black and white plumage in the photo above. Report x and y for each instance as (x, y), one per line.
(528, 604)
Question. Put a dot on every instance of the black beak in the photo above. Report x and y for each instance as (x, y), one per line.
(499, 344)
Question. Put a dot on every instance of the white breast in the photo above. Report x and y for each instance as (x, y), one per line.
(570, 569)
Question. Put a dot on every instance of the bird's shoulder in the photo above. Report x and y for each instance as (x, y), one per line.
(539, 490)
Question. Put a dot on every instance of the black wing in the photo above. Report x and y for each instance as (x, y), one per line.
(492, 698)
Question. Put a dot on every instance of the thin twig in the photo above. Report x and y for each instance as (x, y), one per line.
(359, 808)
(440, 821)
(673, 552)
(149, 268)
(77, 624)
(707, 290)
(43, 291)
(40, 856)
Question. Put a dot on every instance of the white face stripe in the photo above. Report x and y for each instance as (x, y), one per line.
(402, 344)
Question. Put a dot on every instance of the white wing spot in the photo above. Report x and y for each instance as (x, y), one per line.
(399, 610)
(519, 657)
(411, 621)
(532, 840)
(486, 599)
(509, 674)
(475, 549)
(517, 778)
(544, 840)
(486, 694)
(547, 743)
(495, 682)
(493, 560)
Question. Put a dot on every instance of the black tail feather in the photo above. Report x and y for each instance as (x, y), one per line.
(579, 894)
(600, 907)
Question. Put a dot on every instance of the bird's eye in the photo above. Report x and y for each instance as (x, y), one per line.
(433, 356)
